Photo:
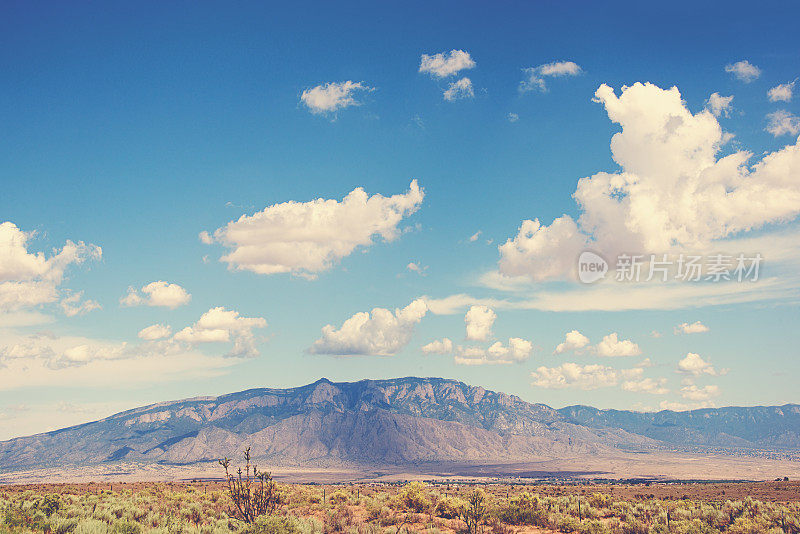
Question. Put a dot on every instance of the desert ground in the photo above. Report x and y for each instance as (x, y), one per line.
(655, 466)
(432, 508)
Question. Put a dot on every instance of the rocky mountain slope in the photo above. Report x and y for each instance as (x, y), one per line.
(379, 422)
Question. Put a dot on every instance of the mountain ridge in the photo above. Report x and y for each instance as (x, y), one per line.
(401, 421)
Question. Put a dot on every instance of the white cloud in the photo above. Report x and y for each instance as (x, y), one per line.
(458, 90)
(782, 122)
(719, 105)
(517, 350)
(156, 331)
(72, 305)
(442, 65)
(474, 237)
(530, 252)
(645, 363)
(219, 325)
(29, 279)
(535, 76)
(85, 362)
(586, 377)
(672, 193)
(694, 365)
(613, 347)
(306, 238)
(574, 340)
(381, 333)
(479, 320)
(743, 71)
(512, 117)
(332, 96)
(443, 346)
(682, 407)
(654, 386)
(158, 293)
(695, 393)
(415, 267)
(694, 328)
(781, 93)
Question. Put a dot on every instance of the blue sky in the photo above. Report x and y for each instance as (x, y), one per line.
(136, 128)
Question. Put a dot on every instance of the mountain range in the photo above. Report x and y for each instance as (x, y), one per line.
(399, 422)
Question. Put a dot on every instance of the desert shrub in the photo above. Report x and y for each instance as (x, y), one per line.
(475, 512)
(253, 494)
(594, 527)
(449, 507)
(272, 524)
(524, 509)
(414, 497)
(193, 514)
(339, 497)
(91, 526)
(309, 525)
(49, 504)
(338, 520)
(126, 526)
(64, 526)
(601, 500)
(634, 526)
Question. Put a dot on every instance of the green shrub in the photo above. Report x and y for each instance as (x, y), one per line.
(91, 526)
(273, 524)
(449, 507)
(126, 526)
(414, 497)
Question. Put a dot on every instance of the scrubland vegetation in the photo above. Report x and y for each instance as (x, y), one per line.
(373, 509)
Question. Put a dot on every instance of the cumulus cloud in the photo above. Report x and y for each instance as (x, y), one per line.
(73, 305)
(574, 340)
(672, 193)
(458, 90)
(219, 325)
(158, 293)
(439, 346)
(694, 365)
(542, 252)
(719, 105)
(443, 64)
(743, 71)
(781, 93)
(517, 350)
(535, 76)
(380, 333)
(653, 386)
(29, 279)
(782, 122)
(474, 237)
(586, 377)
(331, 97)
(305, 238)
(479, 320)
(694, 328)
(512, 117)
(156, 331)
(611, 347)
(695, 393)
(22, 355)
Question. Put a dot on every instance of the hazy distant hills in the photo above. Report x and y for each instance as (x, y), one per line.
(400, 421)
(759, 427)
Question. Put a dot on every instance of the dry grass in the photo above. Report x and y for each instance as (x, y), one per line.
(202, 507)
